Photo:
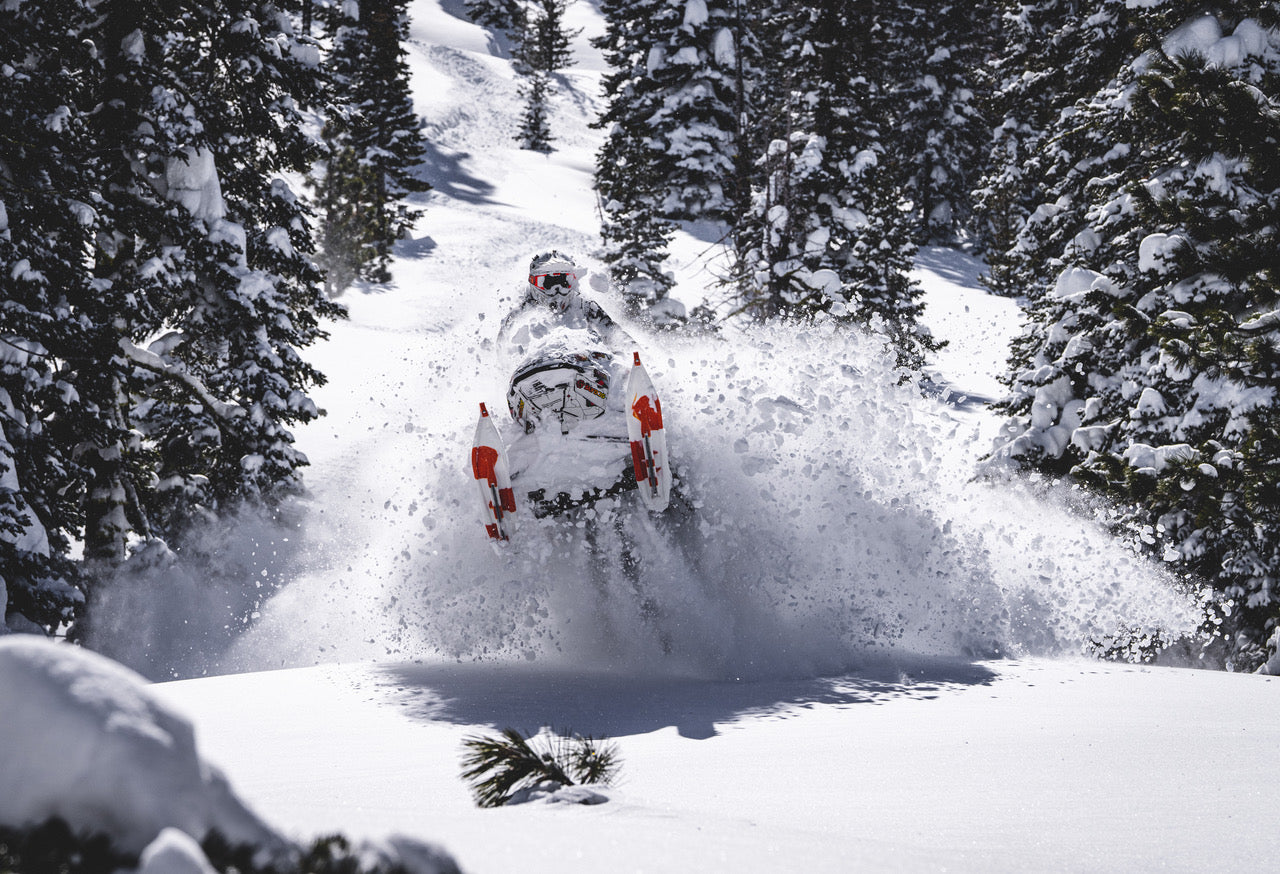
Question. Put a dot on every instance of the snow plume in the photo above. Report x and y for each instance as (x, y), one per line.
(834, 522)
(839, 505)
(173, 614)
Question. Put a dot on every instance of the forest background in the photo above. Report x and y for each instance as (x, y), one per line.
(186, 188)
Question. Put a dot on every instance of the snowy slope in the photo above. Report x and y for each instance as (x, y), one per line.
(874, 659)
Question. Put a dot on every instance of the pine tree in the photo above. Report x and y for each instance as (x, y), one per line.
(148, 249)
(345, 235)
(694, 125)
(1026, 96)
(825, 232)
(244, 345)
(374, 143)
(679, 145)
(635, 231)
(219, 260)
(507, 16)
(394, 147)
(535, 127)
(164, 289)
(45, 213)
(1151, 372)
(545, 44)
(543, 48)
(1058, 55)
(934, 71)
(500, 769)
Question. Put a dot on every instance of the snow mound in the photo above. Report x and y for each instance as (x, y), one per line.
(174, 852)
(85, 740)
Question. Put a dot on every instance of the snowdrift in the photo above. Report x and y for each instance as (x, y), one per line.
(89, 741)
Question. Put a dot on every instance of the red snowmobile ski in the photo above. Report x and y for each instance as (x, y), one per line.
(492, 472)
(648, 439)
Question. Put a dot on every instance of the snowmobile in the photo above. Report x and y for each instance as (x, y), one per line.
(585, 443)
(576, 450)
(580, 449)
(579, 439)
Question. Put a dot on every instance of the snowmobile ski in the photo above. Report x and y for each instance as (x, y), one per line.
(648, 439)
(492, 472)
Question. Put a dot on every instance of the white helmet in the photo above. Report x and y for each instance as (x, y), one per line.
(553, 279)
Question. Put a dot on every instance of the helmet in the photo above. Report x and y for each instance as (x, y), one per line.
(553, 279)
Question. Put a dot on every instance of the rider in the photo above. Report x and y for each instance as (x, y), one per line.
(553, 295)
(550, 322)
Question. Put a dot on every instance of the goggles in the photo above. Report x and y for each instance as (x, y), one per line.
(548, 281)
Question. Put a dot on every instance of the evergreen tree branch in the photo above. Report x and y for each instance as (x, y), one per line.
(500, 767)
(153, 363)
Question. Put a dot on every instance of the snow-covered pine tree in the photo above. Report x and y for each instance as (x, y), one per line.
(162, 290)
(1026, 96)
(1087, 147)
(1060, 53)
(938, 86)
(506, 16)
(825, 232)
(45, 72)
(207, 375)
(543, 48)
(242, 333)
(545, 45)
(342, 183)
(694, 65)
(344, 235)
(771, 233)
(679, 138)
(375, 125)
(635, 231)
(535, 127)
(394, 147)
(149, 251)
(1153, 369)
(755, 85)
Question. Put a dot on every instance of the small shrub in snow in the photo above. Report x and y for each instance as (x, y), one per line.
(511, 768)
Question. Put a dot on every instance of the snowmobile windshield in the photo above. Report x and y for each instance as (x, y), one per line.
(560, 388)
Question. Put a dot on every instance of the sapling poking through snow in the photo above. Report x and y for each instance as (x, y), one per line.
(500, 769)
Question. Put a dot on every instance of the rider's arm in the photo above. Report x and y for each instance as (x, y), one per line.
(606, 327)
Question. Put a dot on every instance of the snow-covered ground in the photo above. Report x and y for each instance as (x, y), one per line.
(875, 661)
(998, 766)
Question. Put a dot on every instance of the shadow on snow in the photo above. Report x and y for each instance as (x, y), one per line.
(952, 265)
(445, 170)
(612, 705)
